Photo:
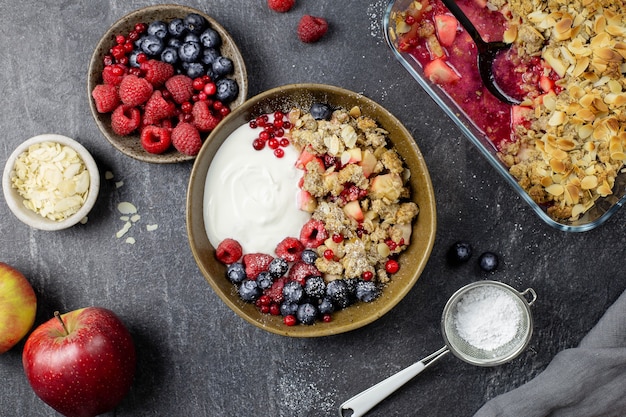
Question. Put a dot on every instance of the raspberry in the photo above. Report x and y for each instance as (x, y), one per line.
(113, 74)
(312, 29)
(275, 292)
(180, 87)
(105, 97)
(256, 263)
(228, 251)
(155, 139)
(157, 72)
(290, 249)
(313, 233)
(281, 6)
(157, 109)
(186, 139)
(203, 119)
(134, 91)
(125, 120)
(300, 271)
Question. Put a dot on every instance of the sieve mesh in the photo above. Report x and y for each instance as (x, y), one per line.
(486, 357)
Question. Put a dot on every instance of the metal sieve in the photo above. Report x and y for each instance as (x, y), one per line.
(511, 347)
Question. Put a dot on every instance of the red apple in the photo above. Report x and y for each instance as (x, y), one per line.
(80, 363)
(18, 305)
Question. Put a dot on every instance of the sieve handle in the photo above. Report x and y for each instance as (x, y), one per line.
(531, 293)
(366, 400)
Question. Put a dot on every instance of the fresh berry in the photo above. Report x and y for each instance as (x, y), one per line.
(222, 66)
(300, 271)
(278, 267)
(309, 256)
(307, 313)
(488, 261)
(170, 55)
(276, 291)
(290, 320)
(459, 252)
(293, 292)
(288, 308)
(105, 97)
(367, 291)
(176, 27)
(281, 6)
(227, 90)
(256, 263)
(113, 74)
(326, 306)
(195, 23)
(249, 290)
(203, 119)
(313, 233)
(210, 39)
(155, 139)
(321, 111)
(290, 249)
(186, 139)
(180, 87)
(338, 293)
(392, 266)
(158, 28)
(236, 272)
(134, 91)
(151, 45)
(265, 281)
(312, 29)
(189, 51)
(125, 120)
(315, 287)
(157, 72)
(228, 251)
(157, 109)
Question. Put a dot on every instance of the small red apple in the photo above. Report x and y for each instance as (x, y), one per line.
(81, 363)
(18, 305)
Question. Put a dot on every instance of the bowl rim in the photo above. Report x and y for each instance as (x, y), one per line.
(35, 220)
(197, 179)
(106, 38)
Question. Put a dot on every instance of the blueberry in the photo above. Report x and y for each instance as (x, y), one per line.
(132, 58)
(264, 280)
(326, 306)
(488, 261)
(309, 256)
(152, 45)
(236, 272)
(191, 37)
(189, 51)
(174, 43)
(209, 55)
(367, 291)
(315, 287)
(222, 66)
(293, 292)
(459, 252)
(337, 291)
(307, 313)
(227, 90)
(195, 23)
(193, 69)
(169, 55)
(278, 267)
(176, 27)
(288, 308)
(321, 111)
(158, 29)
(249, 290)
(210, 39)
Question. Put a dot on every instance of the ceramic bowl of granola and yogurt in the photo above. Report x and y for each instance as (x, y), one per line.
(51, 182)
(310, 210)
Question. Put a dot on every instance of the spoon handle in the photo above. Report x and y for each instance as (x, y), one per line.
(366, 400)
(464, 21)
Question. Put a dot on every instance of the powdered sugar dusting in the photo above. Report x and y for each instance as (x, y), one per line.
(301, 396)
(375, 12)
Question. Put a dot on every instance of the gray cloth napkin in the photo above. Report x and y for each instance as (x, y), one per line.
(587, 381)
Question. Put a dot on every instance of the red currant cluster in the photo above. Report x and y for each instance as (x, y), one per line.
(124, 45)
(273, 133)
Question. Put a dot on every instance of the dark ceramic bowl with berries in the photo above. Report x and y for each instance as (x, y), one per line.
(411, 262)
(159, 67)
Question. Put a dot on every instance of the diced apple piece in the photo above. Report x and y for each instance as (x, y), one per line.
(304, 158)
(368, 162)
(481, 3)
(546, 84)
(386, 186)
(520, 115)
(353, 210)
(438, 71)
(446, 26)
(351, 156)
(306, 202)
(405, 232)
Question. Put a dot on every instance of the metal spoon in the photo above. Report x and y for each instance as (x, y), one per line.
(487, 52)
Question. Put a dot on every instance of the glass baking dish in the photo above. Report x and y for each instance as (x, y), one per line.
(604, 207)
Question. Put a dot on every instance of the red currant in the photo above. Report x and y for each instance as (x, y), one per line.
(409, 20)
(140, 27)
(264, 135)
(264, 309)
(290, 320)
(273, 143)
(279, 153)
(286, 125)
(141, 58)
(284, 142)
(279, 132)
(252, 124)
(274, 309)
(186, 107)
(120, 39)
(392, 266)
(337, 238)
(198, 83)
(258, 144)
(367, 275)
(224, 111)
(329, 254)
(210, 88)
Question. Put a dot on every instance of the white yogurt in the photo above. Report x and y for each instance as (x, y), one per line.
(251, 196)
